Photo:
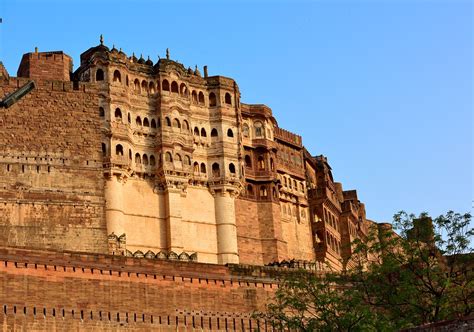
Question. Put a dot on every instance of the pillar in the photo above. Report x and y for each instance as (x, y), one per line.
(114, 215)
(227, 251)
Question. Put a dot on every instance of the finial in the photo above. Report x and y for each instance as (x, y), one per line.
(148, 57)
(36, 49)
(101, 40)
(113, 45)
(120, 49)
(168, 53)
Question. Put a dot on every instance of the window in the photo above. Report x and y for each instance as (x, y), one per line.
(176, 123)
(183, 90)
(138, 121)
(232, 168)
(165, 85)
(203, 132)
(153, 123)
(185, 125)
(168, 121)
(263, 191)
(258, 129)
(104, 149)
(138, 159)
(144, 86)
(128, 118)
(201, 98)
(196, 131)
(248, 161)
(228, 99)
(136, 85)
(212, 99)
(119, 150)
(216, 172)
(196, 167)
(245, 130)
(187, 160)
(117, 76)
(272, 166)
(214, 132)
(101, 112)
(151, 88)
(145, 159)
(168, 157)
(194, 97)
(249, 189)
(146, 123)
(203, 168)
(174, 87)
(152, 160)
(261, 163)
(178, 157)
(230, 133)
(99, 75)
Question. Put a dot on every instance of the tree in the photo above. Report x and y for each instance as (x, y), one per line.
(421, 275)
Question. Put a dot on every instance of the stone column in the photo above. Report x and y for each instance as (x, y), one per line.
(174, 220)
(227, 251)
(114, 206)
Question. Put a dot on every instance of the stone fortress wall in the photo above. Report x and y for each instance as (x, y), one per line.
(125, 186)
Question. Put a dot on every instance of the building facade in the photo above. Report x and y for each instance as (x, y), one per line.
(126, 157)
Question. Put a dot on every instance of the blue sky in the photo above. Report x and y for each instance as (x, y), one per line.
(383, 88)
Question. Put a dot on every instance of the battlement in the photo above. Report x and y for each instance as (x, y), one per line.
(46, 66)
(288, 136)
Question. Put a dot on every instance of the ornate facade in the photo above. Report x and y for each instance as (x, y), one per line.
(127, 157)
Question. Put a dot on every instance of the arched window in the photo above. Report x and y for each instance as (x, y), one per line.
(176, 123)
(138, 121)
(168, 157)
(126, 80)
(228, 99)
(230, 133)
(99, 75)
(136, 85)
(185, 125)
(187, 160)
(152, 160)
(119, 150)
(118, 115)
(183, 90)
(295, 185)
(104, 149)
(272, 166)
(146, 123)
(196, 167)
(263, 191)
(245, 130)
(158, 123)
(130, 154)
(138, 159)
(174, 87)
(153, 123)
(144, 86)
(248, 161)
(232, 168)
(203, 168)
(258, 129)
(203, 132)
(145, 159)
(275, 193)
(212, 99)
(214, 132)
(168, 121)
(216, 172)
(196, 131)
(194, 97)
(261, 163)
(151, 88)
(117, 76)
(165, 85)
(201, 97)
(178, 157)
(249, 189)
(129, 119)
(101, 112)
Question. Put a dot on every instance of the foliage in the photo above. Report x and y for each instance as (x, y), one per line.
(421, 275)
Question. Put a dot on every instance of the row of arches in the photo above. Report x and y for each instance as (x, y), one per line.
(173, 87)
(139, 159)
(261, 190)
(261, 164)
(331, 220)
(292, 184)
(177, 124)
(169, 158)
(216, 172)
(333, 243)
(258, 130)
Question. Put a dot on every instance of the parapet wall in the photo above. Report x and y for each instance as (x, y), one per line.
(46, 66)
(45, 289)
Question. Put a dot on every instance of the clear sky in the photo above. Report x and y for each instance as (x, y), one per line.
(383, 88)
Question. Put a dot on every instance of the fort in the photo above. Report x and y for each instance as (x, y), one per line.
(145, 195)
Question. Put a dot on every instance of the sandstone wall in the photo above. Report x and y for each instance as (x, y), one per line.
(51, 179)
(42, 290)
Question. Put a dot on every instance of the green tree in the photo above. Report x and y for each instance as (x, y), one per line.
(421, 274)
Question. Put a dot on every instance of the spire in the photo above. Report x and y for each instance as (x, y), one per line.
(168, 53)
(101, 39)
